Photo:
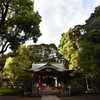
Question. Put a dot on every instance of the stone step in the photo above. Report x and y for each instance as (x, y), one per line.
(50, 97)
(48, 92)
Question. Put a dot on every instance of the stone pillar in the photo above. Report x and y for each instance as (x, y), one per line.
(34, 89)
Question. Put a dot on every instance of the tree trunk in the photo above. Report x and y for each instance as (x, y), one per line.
(87, 83)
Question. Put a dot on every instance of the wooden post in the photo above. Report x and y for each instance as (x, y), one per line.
(39, 81)
(57, 83)
(63, 79)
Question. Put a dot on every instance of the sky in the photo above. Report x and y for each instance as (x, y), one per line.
(60, 15)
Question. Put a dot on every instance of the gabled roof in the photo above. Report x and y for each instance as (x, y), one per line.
(36, 67)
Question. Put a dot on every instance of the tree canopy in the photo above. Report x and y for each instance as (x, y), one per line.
(89, 53)
(43, 52)
(81, 46)
(18, 23)
(69, 45)
(3, 60)
(15, 66)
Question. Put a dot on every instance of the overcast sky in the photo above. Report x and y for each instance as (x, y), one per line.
(60, 15)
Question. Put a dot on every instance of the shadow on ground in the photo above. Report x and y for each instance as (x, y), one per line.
(80, 97)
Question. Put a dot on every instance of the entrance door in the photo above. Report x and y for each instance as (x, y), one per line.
(48, 82)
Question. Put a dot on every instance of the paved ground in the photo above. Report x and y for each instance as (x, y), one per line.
(19, 98)
(50, 97)
(81, 97)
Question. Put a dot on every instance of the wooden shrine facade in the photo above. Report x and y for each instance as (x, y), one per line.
(50, 75)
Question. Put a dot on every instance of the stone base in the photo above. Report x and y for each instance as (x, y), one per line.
(45, 92)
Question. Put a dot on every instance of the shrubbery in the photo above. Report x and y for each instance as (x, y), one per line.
(78, 85)
(24, 83)
(7, 91)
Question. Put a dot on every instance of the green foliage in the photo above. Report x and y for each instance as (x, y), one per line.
(44, 52)
(93, 23)
(24, 82)
(78, 84)
(69, 45)
(96, 81)
(89, 52)
(18, 23)
(75, 89)
(16, 65)
(81, 46)
(2, 63)
(6, 91)
(3, 58)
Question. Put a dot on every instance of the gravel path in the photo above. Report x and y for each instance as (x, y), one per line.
(19, 98)
(81, 97)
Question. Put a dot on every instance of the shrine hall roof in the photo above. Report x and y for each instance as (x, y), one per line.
(39, 66)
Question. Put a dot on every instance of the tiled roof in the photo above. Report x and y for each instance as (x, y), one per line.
(57, 66)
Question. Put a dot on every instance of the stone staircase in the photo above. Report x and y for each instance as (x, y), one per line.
(48, 92)
(50, 97)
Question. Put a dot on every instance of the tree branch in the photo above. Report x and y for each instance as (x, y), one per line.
(4, 47)
(4, 14)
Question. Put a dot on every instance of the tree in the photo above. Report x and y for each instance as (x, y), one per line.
(81, 46)
(18, 23)
(89, 52)
(2, 63)
(69, 45)
(24, 82)
(43, 53)
(15, 66)
(2, 60)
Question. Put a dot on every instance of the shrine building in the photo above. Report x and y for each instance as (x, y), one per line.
(50, 75)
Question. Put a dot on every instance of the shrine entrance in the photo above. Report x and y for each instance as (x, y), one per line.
(50, 76)
(48, 81)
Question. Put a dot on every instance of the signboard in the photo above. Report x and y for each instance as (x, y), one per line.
(68, 87)
(48, 70)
